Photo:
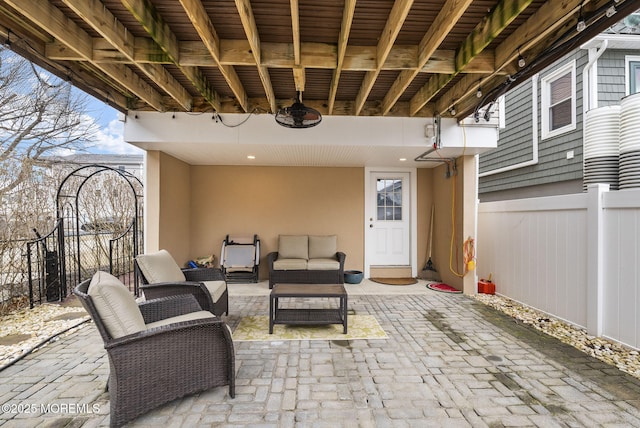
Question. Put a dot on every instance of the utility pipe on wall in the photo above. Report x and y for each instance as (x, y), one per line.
(586, 80)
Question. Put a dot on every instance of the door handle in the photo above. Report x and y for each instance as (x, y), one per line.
(370, 225)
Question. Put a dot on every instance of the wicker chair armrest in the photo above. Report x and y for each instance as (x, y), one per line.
(180, 332)
(166, 307)
(203, 274)
(272, 257)
(341, 258)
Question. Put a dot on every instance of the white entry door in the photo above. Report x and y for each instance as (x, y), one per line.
(388, 219)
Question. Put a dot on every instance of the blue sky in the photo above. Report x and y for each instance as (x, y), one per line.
(110, 137)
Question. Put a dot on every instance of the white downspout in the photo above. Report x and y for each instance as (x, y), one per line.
(534, 135)
(586, 80)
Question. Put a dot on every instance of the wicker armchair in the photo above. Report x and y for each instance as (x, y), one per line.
(190, 351)
(161, 276)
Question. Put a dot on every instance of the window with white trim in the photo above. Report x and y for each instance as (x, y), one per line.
(632, 71)
(559, 101)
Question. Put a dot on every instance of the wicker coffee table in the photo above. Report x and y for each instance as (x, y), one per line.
(307, 316)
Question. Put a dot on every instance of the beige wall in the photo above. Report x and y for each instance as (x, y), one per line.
(200, 205)
(448, 259)
(171, 199)
(270, 201)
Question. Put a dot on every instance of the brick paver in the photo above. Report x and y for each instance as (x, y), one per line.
(449, 361)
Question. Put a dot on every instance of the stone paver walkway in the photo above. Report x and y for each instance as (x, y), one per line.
(449, 361)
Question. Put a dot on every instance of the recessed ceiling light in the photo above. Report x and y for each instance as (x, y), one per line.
(403, 159)
(251, 157)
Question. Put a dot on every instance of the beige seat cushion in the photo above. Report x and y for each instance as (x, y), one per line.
(184, 317)
(116, 306)
(323, 247)
(290, 264)
(159, 267)
(293, 247)
(216, 289)
(323, 264)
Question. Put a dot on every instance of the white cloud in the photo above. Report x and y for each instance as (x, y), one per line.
(109, 140)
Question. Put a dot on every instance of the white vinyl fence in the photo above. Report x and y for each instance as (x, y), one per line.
(576, 257)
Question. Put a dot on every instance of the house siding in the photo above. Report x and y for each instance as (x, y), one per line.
(554, 173)
(611, 76)
(516, 140)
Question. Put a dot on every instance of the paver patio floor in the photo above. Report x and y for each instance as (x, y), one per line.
(449, 361)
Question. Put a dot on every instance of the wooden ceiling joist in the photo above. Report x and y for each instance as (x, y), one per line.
(444, 22)
(345, 29)
(69, 33)
(251, 30)
(493, 24)
(201, 22)
(118, 37)
(388, 37)
(401, 57)
(160, 32)
(278, 55)
(528, 34)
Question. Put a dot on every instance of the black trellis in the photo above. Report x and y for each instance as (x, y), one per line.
(87, 240)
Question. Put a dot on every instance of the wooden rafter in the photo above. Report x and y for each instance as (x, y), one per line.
(444, 22)
(295, 27)
(278, 55)
(298, 69)
(529, 34)
(203, 25)
(92, 43)
(494, 23)
(160, 32)
(388, 37)
(116, 34)
(251, 30)
(345, 29)
(70, 34)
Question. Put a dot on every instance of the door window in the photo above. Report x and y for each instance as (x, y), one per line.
(389, 199)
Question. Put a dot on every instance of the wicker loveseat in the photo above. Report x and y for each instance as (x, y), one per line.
(306, 259)
(158, 350)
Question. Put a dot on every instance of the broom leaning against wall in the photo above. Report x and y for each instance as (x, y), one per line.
(429, 272)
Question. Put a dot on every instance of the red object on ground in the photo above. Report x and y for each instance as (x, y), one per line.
(486, 287)
(445, 288)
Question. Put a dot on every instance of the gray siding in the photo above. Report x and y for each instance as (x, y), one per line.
(515, 142)
(611, 76)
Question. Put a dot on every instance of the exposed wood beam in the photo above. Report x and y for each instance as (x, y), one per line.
(299, 77)
(442, 25)
(295, 27)
(493, 24)
(251, 30)
(92, 12)
(345, 30)
(529, 34)
(81, 74)
(278, 55)
(150, 19)
(298, 70)
(341, 108)
(68, 32)
(203, 25)
(388, 37)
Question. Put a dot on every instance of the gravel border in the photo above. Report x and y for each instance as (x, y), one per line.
(624, 358)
